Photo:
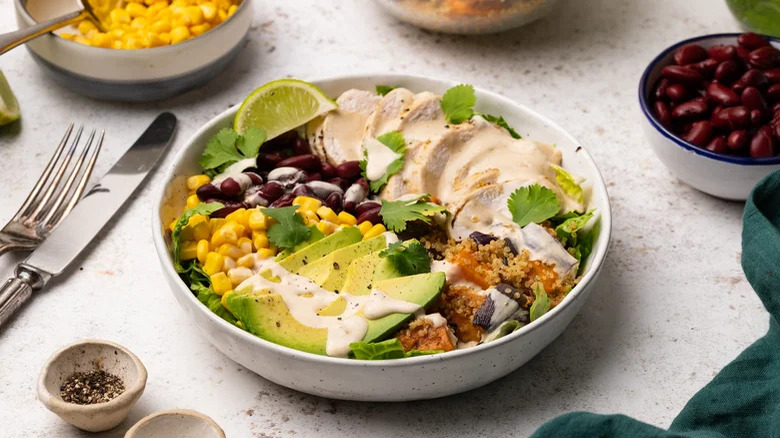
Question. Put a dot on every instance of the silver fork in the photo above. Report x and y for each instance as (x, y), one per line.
(49, 201)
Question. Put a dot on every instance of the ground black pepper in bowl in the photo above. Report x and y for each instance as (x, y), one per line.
(90, 388)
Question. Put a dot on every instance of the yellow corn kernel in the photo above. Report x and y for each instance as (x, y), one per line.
(179, 34)
(172, 225)
(216, 223)
(202, 251)
(240, 216)
(195, 230)
(347, 219)
(231, 10)
(116, 33)
(364, 227)
(192, 201)
(82, 40)
(100, 39)
(220, 283)
(67, 36)
(135, 9)
(86, 26)
(214, 263)
(245, 245)
(222, 236)
(265, 253)
(246, 261)
(139, 23)
(162, 26)
(224, 4)
(307, 203)
(326, 227)
(260, 241)
(194, 15)
(131, 42)
(327, 214)
(229, 250)
(188, 251)
(374, 231)
(153, 9)
(119, 16)
(154, 2)
(229, 264)
(223, 300)
(257, 220)
(221, 16)
(239, 274)
(165, 37)
(209, 11)
(166, 13)
(117, 44)
(310, 217)
(200, 29)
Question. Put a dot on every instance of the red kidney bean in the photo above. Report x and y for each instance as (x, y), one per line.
(267, 161)
(685, 75)
(677, 92)
(762, 144)
(727, 72)
(722, 52)
(689, 53)
(254, 177)
(756, 118)
(287, 176)
(662, 113)
(765, 57)
(229, 207)
(660, 89)
(285, 200)
(348, 169)
(323, 189)
(695, 108)
(281, 141)
(700, 133)
(371, 215)
(309, 162)
(230, 187)
(751, 78)
(773, 75)
(341, 182)
(752, 40)
(328, 170)
(252, 197)
(775, 125)
(717, 145)
(717, 109)
(773, 93)
(208, 191)
(367, 205)
(736, 117)
(303, 190)
(706, 67)
(720, 94)
(737, 140)
(301, 146)
(354, 196)
(316, 176)
(271, 191)
(335, 201)
(743, 53)
(363, 183)
(753, 100)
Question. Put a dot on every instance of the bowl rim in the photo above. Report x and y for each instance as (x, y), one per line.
(598, 256)
(21, 6)
(644, 104)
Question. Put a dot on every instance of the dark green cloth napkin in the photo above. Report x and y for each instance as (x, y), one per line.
(743, 400)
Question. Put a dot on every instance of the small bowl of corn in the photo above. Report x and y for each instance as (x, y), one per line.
(141, 50)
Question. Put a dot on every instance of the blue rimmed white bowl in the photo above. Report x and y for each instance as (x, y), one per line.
(725, 176)
(132, 75)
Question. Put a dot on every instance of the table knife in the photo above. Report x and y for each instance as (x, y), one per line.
(89, 216)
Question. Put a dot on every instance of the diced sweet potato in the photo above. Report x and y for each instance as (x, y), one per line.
(458, 305)
(422, 335)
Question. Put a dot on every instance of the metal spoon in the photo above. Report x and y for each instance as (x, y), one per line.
(12, 39)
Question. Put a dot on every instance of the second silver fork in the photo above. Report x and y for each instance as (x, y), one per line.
(52, 198)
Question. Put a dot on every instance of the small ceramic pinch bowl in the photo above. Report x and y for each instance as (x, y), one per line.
(85, 356)
(132, 75)
(179, 423)
(724, 176)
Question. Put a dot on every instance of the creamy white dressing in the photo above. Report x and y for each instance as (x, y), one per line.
(436, 319)
(378, 157)
(453, 273)
(380, 305)
(234, 170)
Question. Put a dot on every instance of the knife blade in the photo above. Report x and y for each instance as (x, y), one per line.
(89, 216)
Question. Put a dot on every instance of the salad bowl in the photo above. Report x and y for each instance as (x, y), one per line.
(413, 378)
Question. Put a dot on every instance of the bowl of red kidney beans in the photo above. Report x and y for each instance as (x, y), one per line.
(712, 111)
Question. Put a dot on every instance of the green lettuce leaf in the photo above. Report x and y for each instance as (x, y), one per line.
(568, 184)
(504, 329)
(541, 304)
(183, 220)
(389, 349)
(382, 90)
(567, 230)
(200, 284)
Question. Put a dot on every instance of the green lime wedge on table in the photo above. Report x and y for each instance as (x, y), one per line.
(9, 107)
(280, 106)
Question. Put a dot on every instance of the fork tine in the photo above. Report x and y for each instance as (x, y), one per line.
(57, 218)
(65, 193)
(32, 197)
(55, 181)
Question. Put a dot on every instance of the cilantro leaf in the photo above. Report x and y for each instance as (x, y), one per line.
(184, 219)
(499, 120)
(395, 214)
(458, 103)
(228, 147)
(408, 260)
(382, 90)
(532, 203)
(249, 144)
(395, 141)
(388, 349)
(289, 229)
(541, 303)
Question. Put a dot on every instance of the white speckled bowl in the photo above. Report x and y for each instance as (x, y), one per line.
(133, 75)
(725, 176)
(179, 423)
(83, 356)
(390, 380)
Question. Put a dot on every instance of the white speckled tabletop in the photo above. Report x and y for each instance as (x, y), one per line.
(671, 309)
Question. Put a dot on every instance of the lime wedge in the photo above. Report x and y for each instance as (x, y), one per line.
(280, 106)
(9, 107)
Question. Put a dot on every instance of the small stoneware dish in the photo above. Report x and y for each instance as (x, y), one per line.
(86, 356)
(132, 75)
(179, 423)
(724, 176)
(413, 378)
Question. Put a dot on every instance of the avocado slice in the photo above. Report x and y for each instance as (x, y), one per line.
(321, 248)
(313, 237)
(268, 317)
(331, 270)
(421, 289)
(365, 271)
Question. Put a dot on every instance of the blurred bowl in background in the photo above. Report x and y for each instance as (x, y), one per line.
(762, 16)
(468, 16)
(132, 75)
